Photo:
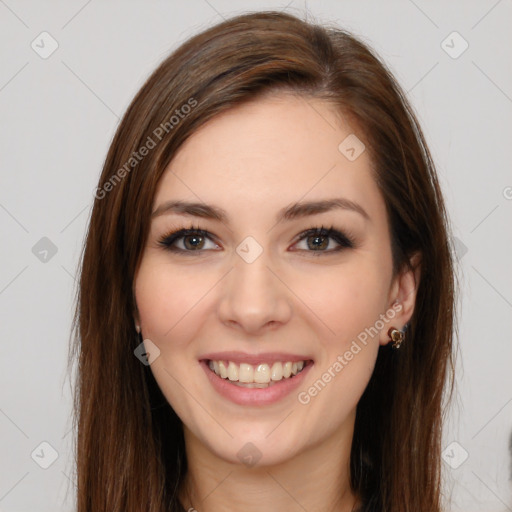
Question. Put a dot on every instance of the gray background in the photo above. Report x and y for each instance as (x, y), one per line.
(59, 115)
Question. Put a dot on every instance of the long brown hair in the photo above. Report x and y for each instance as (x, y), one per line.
(129, 446)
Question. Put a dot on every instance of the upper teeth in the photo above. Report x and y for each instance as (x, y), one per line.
(261, 373)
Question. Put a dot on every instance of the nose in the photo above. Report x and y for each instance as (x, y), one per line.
(254, 297)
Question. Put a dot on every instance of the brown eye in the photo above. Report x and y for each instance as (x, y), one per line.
(187, 241)
(194, 241)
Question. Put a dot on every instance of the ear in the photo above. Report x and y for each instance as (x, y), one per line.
(135, 311)
(402, 298)
(136, 319)
(136, 322)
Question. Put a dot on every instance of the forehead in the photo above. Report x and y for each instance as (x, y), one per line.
(267, 153)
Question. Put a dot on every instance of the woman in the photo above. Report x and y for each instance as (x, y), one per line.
(266, 300)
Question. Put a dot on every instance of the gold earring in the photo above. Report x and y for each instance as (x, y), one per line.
(396, 336)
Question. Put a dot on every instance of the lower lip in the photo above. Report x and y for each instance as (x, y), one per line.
(255, 396)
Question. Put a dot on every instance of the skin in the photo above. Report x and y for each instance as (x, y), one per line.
(252, 161)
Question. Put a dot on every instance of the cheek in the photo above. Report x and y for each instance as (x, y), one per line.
(165, 297)
(167, 301)
(344, 301)
(348, 305)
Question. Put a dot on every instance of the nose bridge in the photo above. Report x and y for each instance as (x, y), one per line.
(253, 296)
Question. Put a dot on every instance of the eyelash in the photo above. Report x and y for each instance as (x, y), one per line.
(345, 241)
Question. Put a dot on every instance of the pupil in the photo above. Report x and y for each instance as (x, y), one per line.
(322, 245)
(196, 243)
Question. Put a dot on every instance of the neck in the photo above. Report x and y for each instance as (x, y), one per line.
(317, 479)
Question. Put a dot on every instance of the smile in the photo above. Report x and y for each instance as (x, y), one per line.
(262, 375)
(256, 384)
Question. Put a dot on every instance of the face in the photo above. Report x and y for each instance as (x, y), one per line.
(264, 286)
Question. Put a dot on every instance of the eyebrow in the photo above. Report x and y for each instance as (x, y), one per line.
(291, 212)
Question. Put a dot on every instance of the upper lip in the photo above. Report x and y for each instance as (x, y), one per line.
(244, 357)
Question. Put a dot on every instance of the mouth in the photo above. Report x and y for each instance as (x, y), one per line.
(262, 375)
(256, 384)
